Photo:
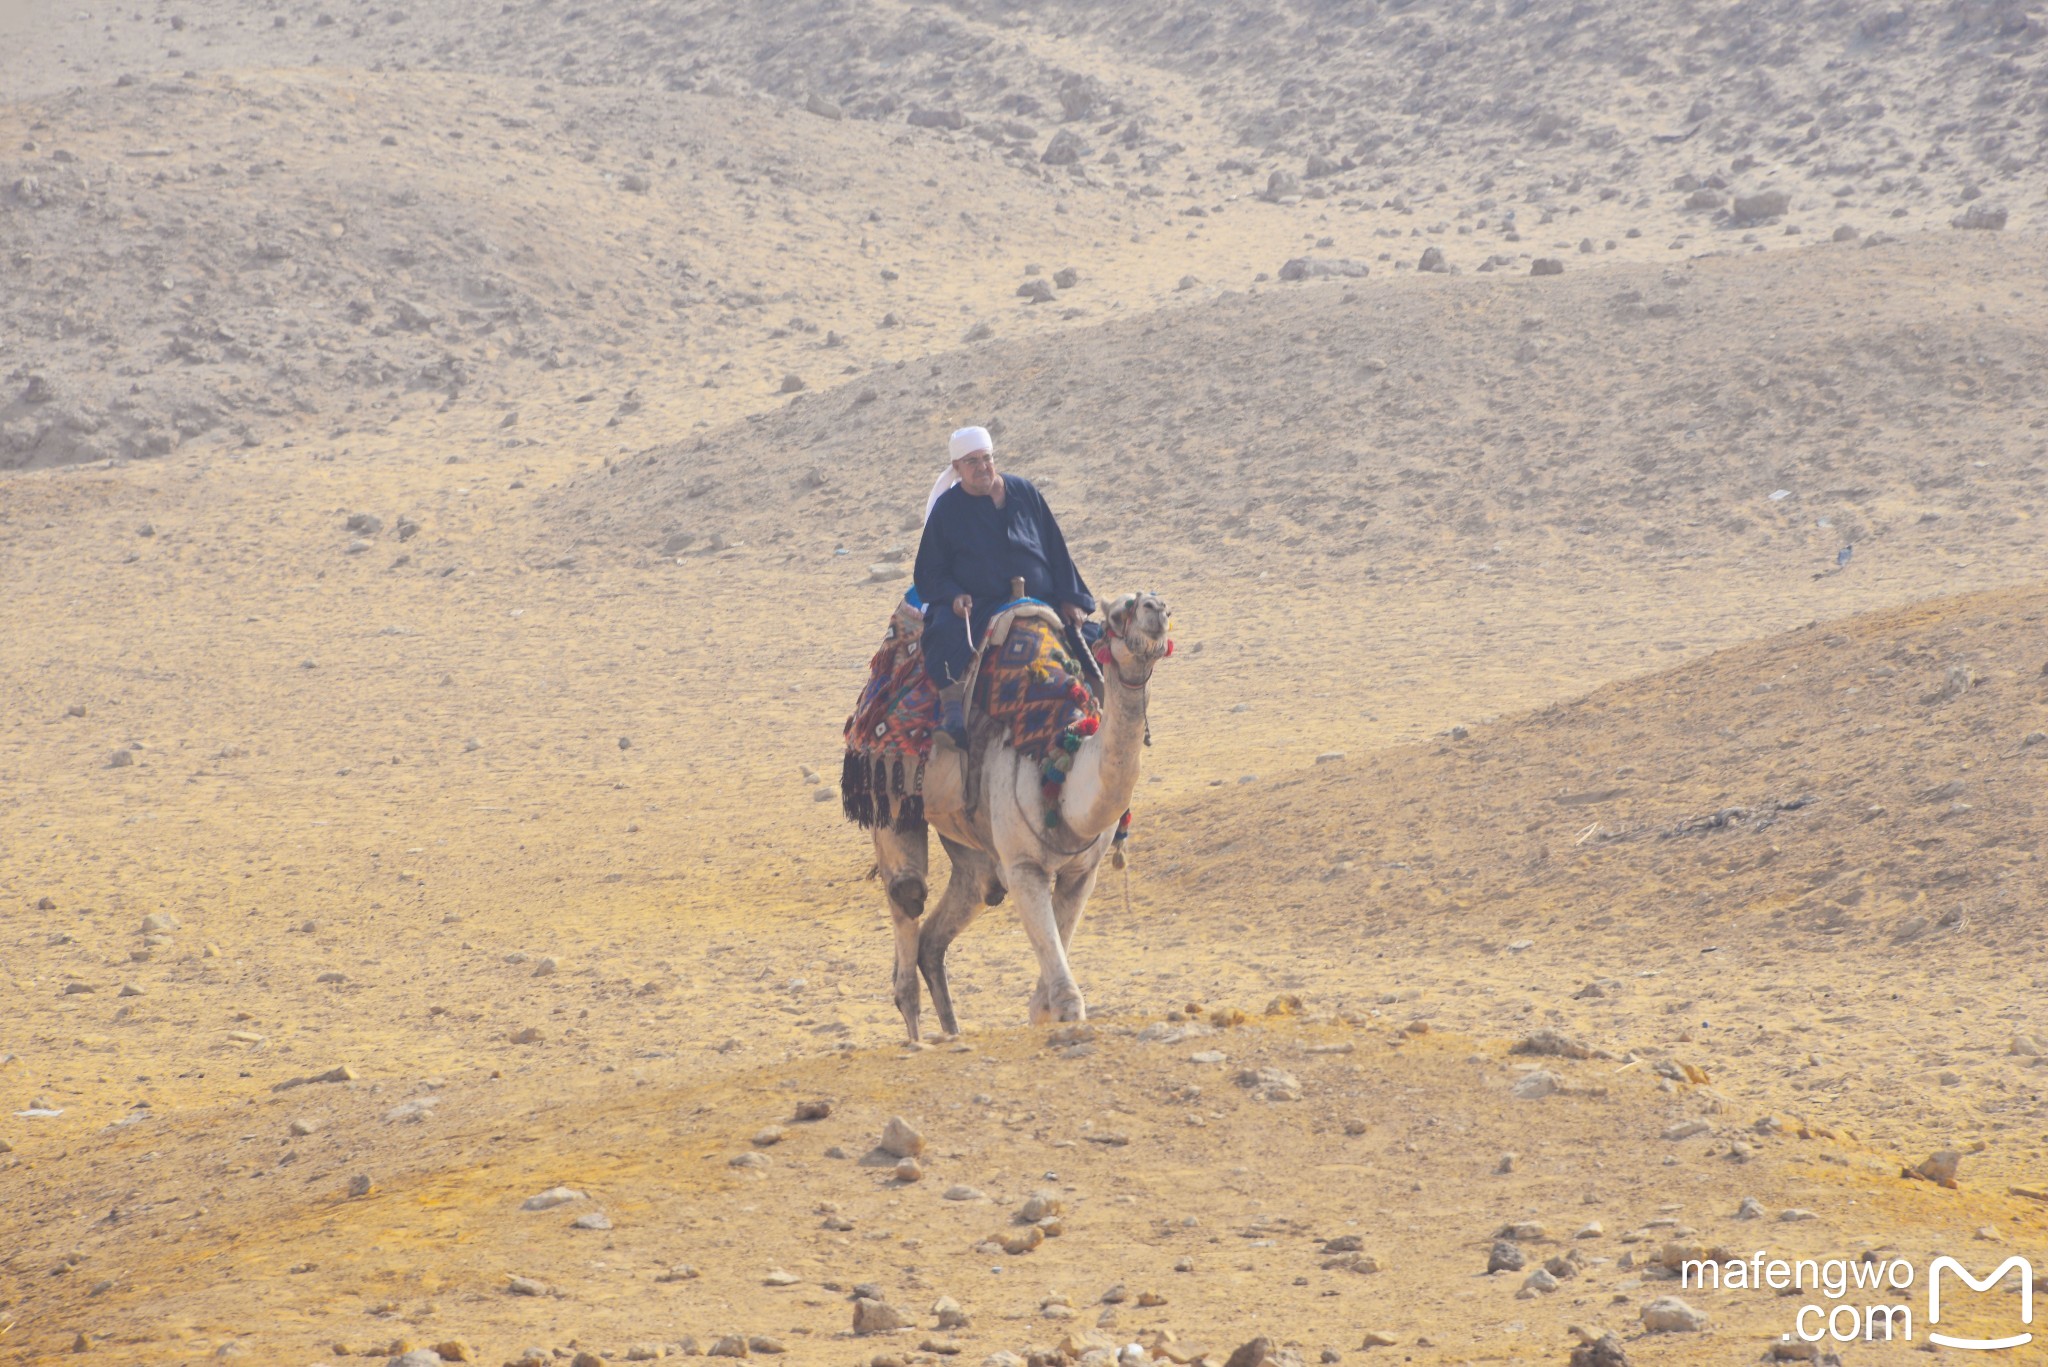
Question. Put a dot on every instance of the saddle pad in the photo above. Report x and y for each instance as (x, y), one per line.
(1031, 686)
(889, 735)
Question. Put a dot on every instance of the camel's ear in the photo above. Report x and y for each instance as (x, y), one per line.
(1119, 613)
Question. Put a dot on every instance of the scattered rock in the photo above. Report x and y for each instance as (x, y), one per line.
(747, 1160)
(1979, 216)
(1037, 291)
(1670, 1315)
(1686, 1129)
(1281, 185)
(823, 108)
(1762, 205)
(1433, 261)
(1546, 265)
(1065, 149)
(813, 1110)
(961, 1192)
(872, 1316)
(1312, 268)
(359, 1185)
(727, 1346)
(1505, 1256)
(341, 1074)
(951, 120)
(526, 1286)
(909, 1170)
(1553, 1044)
(1534, 1085)
(900, 1138)
(596, 1219)
(1750, 1209)
(1941, 1167)
(1605, 1351)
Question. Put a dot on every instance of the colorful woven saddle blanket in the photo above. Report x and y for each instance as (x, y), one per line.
(1029, 684)
(889, 735)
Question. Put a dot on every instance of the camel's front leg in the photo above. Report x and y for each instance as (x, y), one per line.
(1070, 898)
(1056, 997)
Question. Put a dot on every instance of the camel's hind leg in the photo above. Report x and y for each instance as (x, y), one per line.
(967, 892)
(901, 861)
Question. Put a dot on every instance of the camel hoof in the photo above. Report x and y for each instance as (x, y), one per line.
(1072, 1009)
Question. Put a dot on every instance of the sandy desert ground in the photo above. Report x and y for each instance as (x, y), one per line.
(455, 464)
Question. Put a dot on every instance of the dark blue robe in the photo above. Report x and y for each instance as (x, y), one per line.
(971, 546)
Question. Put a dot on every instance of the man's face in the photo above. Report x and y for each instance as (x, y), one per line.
(977, 473)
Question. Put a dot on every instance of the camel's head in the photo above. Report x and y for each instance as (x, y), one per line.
(1136, 631)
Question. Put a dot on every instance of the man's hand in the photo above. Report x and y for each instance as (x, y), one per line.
(1074, 615)
(963, 605)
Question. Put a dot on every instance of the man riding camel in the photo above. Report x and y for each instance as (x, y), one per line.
(982, 529)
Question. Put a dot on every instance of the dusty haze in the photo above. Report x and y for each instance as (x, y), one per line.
(456, 461)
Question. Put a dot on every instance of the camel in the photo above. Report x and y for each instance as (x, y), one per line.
(1005, 846)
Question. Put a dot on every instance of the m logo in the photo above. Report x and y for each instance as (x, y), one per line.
(2012, 1264)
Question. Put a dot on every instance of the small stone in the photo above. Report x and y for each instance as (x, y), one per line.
(1023, 1241)
(727, 1346)
(1686, 1129)
(1591, 1230)
(765, 1138)
(1433, 261)
(529, 1035)
(1605, 1351)
(1036, 291)
(1546, 265)
(1979, 216)
(1505, 1166)
(780, 1278)
(129, 990)
(121, 759)
(549, 1199)
(681, 1272)
(748, 1160)
(526, 1286)
(1765, 204)
(765, 1345)
(1669, 1315)
(1535, 1085)
(1378, 1338)
(792, 384)
(1039, 1206)
(2025, 1046)
(909, 1170)
(813, 1110)
(1540, 1281)
(546, 968)
(359, 1185)
(872, 1316)
(1066, 278)
(949, 1313)
(1505, 1256)
(454, 1350)
(596, 1219)
(160, 923)
(901, 1139)
(961, 1192)
(1941, 1166)
(1258, 1353)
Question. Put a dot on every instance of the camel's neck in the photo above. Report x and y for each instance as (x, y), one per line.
(1105, 773)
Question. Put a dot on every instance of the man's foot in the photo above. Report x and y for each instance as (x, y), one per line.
(952, 729)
